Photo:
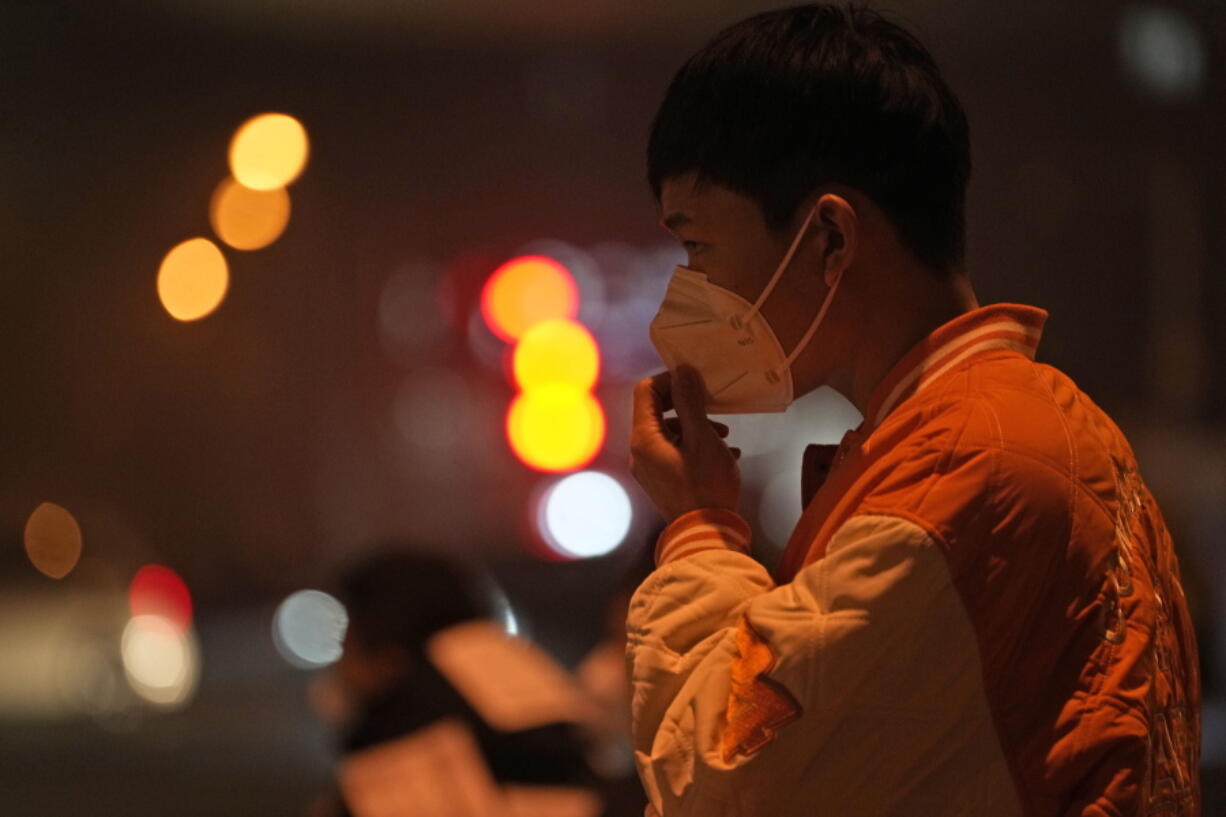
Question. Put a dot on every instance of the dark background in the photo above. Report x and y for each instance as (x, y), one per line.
(255, 451)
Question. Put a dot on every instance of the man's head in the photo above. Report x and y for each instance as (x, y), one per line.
(786, 101)
(833, 110)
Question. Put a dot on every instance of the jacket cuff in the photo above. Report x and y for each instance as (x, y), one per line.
(703, 529)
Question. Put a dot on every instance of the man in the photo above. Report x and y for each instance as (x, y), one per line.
(979, 611)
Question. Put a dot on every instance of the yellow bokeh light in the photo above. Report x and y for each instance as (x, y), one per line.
(268, 151)
(193, 279)
(525, 291)
(248, 219)
(53, 540)
(555, 428)
(556, 352)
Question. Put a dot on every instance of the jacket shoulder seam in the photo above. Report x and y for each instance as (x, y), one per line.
(868, 511)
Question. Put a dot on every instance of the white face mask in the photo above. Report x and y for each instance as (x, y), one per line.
(728, 340)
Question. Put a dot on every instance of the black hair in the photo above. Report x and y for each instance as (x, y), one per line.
(400, 598)
(785, 101)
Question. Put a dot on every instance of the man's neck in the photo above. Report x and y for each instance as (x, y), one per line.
(897, 329)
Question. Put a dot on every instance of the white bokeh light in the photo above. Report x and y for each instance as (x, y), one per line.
(308, 629)
(1163, 50)
(585, 514)
(161, 660)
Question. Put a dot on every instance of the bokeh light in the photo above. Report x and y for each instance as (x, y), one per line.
(59, 653)
(53, 540)
(308, 629)
(193, 279)
(434, 409)
(87, 677)
(503, 612)
(160, 659)
(510, 624)
(555, 428)
(159, 591)
(410, 317)
(585, 514)
(525, 291)
(268, 151)
(636, 280)
(487, 349)
(248, 219)
(591, 282)
(1163, 50)
(556, 352)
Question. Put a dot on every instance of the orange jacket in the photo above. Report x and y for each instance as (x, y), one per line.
(979, 612)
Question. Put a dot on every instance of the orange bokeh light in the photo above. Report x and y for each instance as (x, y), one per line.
(525, 291)
(53, 540)
(193, 279)
(248, 219)
(555, 428)
(556, 352)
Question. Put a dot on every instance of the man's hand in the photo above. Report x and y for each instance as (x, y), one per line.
(682, 463)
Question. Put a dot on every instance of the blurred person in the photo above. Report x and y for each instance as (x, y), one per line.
(446, 714)
(979, 611)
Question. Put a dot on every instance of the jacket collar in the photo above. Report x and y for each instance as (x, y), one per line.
(1000, 326)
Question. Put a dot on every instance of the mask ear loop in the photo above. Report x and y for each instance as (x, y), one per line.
(817, 321)
(783, 265)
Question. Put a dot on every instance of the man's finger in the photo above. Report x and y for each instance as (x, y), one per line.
(648, 414)
(662, 385)
(688, 398)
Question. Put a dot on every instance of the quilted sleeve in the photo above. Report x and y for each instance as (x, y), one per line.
(843, 689)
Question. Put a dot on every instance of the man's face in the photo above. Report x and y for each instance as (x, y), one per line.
(725, 236)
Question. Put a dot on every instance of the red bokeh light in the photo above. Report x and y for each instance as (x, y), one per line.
(158, 590)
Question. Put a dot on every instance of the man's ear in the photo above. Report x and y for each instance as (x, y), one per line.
(837, 221)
